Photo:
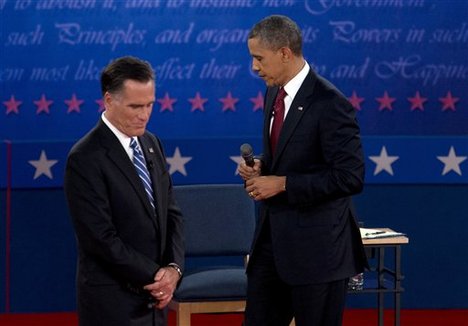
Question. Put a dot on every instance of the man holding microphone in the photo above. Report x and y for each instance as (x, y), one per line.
(307, 243)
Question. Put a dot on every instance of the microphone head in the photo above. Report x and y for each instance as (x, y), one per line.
(247, 154)
(246, 150)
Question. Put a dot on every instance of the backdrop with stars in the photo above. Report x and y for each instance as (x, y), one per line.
(405, 73)
(402, 64)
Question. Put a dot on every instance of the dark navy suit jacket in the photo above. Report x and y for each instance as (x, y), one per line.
(314, 234)
(122, 241)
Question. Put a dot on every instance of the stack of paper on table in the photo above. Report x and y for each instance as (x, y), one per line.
(378, 233)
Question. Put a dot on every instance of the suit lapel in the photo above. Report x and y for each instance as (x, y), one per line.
(270, 98)
(120, 158)
(295, 113)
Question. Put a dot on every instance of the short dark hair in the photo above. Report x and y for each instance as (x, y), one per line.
(121, 69)
(277, 31)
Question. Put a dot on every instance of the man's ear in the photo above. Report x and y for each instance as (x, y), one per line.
(107, 100)
(286, 54)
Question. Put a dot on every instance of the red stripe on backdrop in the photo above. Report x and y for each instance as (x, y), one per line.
(8, 227)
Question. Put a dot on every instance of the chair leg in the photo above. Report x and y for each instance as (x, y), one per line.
(183, 315)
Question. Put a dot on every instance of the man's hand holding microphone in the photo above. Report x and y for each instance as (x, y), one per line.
(257, 186)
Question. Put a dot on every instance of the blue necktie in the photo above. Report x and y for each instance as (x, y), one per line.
(140, 166)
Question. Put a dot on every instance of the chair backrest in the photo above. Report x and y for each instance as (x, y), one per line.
(219, 219)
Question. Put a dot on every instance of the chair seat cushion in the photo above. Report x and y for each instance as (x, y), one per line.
(215, 284)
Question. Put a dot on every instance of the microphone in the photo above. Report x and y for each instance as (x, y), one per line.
(247, 154)
(150, 165)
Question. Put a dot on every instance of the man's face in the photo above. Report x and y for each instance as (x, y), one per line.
(130, 109)
(267, 63)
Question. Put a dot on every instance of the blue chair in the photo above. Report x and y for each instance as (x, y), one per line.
(219, 225)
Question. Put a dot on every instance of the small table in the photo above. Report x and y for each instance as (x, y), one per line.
(375, 248)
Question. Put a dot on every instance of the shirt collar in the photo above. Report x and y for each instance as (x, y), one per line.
(123, 138)
(292, 87)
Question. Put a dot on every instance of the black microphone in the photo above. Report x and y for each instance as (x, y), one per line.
(150, 165)
(247, 154)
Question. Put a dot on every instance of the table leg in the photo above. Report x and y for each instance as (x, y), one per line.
(380, 274)
(398, 278)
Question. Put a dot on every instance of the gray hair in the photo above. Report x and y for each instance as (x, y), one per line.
(118, 71)
(278, 31)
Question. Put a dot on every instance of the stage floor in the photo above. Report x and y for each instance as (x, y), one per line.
(353, 317)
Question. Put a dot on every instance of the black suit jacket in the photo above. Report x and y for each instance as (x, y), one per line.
(122, 241)
(314, 234)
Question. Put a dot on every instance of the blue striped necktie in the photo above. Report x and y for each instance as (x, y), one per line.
(140, 166)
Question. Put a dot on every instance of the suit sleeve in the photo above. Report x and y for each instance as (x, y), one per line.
(90, 211)
(174, 252)
(339, 169)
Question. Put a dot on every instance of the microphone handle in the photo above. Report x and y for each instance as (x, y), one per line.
(249, 161)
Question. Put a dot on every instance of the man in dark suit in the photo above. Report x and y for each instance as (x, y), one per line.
(307, 243)
(128, 226)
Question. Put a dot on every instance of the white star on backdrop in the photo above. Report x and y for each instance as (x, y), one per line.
(237, 160)
(177, 162)
(451, 162)
(383, 161)
(43, 166)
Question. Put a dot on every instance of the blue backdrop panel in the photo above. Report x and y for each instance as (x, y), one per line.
(416, 160)
(403, 63)
(434, 262)
(3, 164)
(389, 160)
(38, 164)
(208, 160)
(43, 254)
(43, 243)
